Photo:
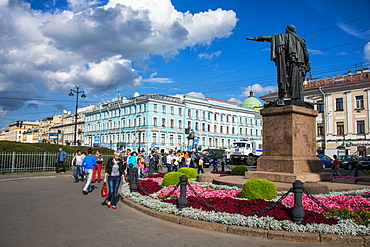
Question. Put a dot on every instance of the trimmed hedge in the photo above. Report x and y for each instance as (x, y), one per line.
(189, 172)
(172, 178)
(257, 188)
(19, 147)
(239, 170)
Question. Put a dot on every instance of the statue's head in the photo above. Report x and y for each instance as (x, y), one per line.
(291, 29)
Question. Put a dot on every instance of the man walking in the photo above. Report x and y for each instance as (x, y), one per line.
(61, 155)
(77, 163)
(88, 162)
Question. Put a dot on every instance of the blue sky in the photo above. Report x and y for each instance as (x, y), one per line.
(162, 47)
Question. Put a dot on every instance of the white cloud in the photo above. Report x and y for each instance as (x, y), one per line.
(367, 51)
(209, 56)
(158, 80)
(259, 90)
(95, 45)
(235, 100)
(354, 31)
(196, 95)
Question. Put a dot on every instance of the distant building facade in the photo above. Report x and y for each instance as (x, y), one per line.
(155, 121)
(22, 131)
(343, 104)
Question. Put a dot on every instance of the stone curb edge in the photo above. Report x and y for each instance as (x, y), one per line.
(30, 178)
(253, 232)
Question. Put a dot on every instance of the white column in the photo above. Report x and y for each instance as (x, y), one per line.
(349, 115)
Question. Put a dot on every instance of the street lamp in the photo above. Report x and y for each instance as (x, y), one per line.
(83, 96)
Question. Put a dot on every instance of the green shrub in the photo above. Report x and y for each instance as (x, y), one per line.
(189, 172)
(239, 170)
(172, 178)
(256, 188)
(19, 147)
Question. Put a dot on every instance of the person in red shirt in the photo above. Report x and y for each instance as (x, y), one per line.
(335, 166)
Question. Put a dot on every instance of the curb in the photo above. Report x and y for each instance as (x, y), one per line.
(253, 232)
(30, 178)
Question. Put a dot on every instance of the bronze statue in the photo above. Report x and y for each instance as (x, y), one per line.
(290, 55)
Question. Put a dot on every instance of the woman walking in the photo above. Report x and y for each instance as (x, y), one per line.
(140, 165)
(114, 174)
(98, 167)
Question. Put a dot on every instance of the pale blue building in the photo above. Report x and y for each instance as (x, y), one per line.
(164, 122)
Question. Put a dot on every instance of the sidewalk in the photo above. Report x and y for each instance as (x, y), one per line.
(33, 175)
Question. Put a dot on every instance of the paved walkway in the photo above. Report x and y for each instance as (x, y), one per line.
(48, 209)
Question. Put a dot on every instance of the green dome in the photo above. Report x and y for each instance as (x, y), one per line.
(251, 102)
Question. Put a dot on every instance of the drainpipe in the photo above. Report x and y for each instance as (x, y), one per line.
(324, 97)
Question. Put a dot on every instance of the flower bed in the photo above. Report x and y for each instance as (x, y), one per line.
(222, 172)
(232, 208)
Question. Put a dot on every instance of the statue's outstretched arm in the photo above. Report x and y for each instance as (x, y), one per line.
(261, 38)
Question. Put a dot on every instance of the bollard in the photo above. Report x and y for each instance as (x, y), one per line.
(222, 166)
(182, 202)
(133, 179)
(298, 212)
(151, 168)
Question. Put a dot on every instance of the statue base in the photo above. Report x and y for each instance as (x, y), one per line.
(289, 146)
(285, 102)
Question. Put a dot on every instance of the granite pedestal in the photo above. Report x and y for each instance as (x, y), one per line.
(289, 146)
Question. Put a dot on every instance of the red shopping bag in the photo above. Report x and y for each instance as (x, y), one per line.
(104, 190)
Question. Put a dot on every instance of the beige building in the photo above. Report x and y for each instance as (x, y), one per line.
(45, 127)
(22, 132)
(343, 104)
(66, 130)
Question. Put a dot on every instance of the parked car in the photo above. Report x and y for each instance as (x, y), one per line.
(364, 163)
(348, 162)
(206, 160)
(326, 161)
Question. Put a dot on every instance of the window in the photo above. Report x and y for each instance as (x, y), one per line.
(227, 130)
(359, 102)
(154, 137)
(163, 122)
(180, 124)
(215, 117)
(215, 128)
(233, 130)
(227, 119)
(339, 104)
(155, 108)
(197, 113)
(163, 138)
(163, 108)
(340, 128)
(144, 121)
(172, 123)
(221, 129)
(203, 127)
(209, 128)
(189, 113)
(189, 124)
(196, 126)
(241, 131)
(360, 127)
(171, 139)
(179, 139)
(172, 110)
(320, 106)
(180, 111)
(320, 129)
(155, 121)
(204, 114)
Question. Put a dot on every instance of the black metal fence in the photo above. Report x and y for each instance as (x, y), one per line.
(32, 162)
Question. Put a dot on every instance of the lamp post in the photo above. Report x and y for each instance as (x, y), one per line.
(83, 96)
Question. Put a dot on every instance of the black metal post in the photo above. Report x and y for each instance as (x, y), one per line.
(298, 211)
(133, 179)
(222, 166)
(182, 202)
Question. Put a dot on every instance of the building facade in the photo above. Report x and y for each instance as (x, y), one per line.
(343, 104)
(165, 122)
(22, 131)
